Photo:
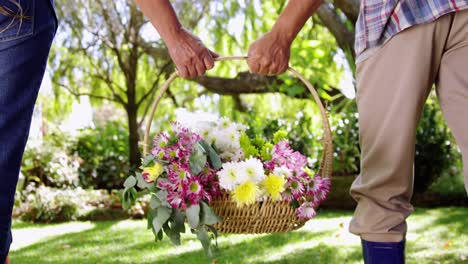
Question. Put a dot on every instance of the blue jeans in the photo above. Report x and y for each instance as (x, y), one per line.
(25, 41)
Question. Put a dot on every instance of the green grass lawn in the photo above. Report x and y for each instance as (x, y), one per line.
(436, 236)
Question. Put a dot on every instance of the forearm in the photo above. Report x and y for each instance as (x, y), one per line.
(293, 18)
(163, 17)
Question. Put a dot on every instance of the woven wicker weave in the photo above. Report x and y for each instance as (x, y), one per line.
(262, 217)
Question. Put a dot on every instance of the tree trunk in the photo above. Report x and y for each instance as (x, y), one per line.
(133, 139)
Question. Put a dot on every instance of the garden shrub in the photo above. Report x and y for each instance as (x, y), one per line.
(49, 163)
(103, 155)
(435, 151)
(46, 204)
(305, 134)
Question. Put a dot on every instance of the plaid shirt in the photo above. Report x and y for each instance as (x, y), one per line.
(379, 20)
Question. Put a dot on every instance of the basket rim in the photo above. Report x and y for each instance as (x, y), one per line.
(326, 163)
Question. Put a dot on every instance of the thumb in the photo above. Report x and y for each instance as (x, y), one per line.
(213, 54)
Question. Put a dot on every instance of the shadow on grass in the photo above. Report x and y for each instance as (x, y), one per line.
(297, 247)
(108, 242)
(103, 244)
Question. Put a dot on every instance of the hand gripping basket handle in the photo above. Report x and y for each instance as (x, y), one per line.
(326, 165)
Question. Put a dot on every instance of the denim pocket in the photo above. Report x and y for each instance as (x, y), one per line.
(16, 19)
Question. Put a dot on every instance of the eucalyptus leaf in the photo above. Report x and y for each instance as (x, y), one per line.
(156, 226)
(214, 158)
(150, 217)
(175, 238)
(215, 233)
(167, 229)
(172, 233)
(162, 196)
(130, 182)
(197, 159)
(155, 202)
(160, 235)
(141, 182)
(162, 215)
(205, 240)
(208, 216)
(193, 215)
(147, 160)
(179, 221)
(129, 196)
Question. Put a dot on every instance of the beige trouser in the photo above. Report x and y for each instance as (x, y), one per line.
(393, 85)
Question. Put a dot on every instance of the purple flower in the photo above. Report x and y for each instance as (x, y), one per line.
(319, 188)
(306, 211)
(297, 188)
(284, 155)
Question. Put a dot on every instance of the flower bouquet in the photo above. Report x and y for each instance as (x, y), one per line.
(203, 163)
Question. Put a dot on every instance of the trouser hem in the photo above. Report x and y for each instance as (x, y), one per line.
(383, 237)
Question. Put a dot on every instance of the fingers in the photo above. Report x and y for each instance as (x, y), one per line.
(199, 68)
(182, 71)
(208, 61)
(213, 54)
(197, 65)
(266, 66)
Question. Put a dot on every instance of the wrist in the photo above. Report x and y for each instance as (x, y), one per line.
(173, 35)
(283, 34)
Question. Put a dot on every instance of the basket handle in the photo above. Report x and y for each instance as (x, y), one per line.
(326, 165)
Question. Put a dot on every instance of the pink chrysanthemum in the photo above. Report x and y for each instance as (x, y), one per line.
(284, 156)
(176, 200)
(297, 188)
(306, 211)
(319, 188)
(287, 195)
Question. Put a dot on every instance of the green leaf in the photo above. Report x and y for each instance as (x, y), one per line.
(129, 197)
(213, 156)
(249, 149)
(179, 221)
(155, 202)
(162, 215)
(147, 160)
(197, 160)
(279, 135)
(215, 233)
(159, 236)
(193, 215)
(295, 90)
(266, 151)
(208, 216)
(205, 240)
(173, 234)
(130, 182)
(150, 217)
(162, 196)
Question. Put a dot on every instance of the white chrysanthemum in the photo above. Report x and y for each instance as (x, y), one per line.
(227, 143)
(228, 176)
(203, 125)
(254, 170)
(238, 155)
(231, 175)
(224, 122)
(193, 119)
(282, 171)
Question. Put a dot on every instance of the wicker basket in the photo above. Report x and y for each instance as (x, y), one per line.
(267, 216)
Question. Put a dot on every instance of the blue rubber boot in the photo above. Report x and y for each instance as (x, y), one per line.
(383, 252)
